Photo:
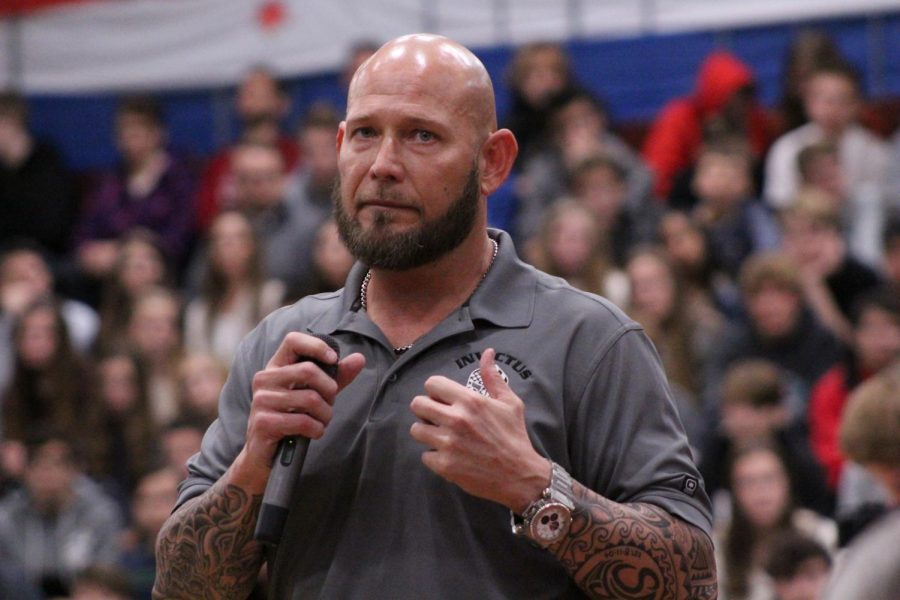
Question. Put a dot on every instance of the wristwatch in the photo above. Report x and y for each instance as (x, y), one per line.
(546, 520)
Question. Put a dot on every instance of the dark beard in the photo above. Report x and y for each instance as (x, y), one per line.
(381, 249)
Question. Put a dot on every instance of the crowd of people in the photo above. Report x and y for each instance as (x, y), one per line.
(759, 247)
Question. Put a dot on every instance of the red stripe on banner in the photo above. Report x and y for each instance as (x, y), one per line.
(21, 7)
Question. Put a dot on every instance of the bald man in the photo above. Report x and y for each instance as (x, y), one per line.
(491, 432)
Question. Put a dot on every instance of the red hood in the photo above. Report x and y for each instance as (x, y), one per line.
(721, 75)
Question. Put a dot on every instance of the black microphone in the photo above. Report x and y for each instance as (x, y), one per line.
(286, 468)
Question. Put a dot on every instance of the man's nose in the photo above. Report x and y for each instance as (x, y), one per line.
(387, 164)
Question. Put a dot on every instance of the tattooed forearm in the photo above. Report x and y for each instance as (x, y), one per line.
(206, 549)
(626, 551)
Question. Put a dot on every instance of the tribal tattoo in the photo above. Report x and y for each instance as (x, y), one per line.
(626, 551)
(206, 549)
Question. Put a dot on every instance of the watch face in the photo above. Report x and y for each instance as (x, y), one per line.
(550, 523)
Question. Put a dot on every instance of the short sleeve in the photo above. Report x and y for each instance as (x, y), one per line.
(629, 444)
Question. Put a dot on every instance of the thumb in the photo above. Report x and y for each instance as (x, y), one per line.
(493, 380)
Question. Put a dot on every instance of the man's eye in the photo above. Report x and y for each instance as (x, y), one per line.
(363, 132)
(423, 135)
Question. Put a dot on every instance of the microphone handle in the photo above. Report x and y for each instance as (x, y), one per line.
(286, 466)
(279, 489)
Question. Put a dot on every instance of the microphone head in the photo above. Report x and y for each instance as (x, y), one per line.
(332, 343)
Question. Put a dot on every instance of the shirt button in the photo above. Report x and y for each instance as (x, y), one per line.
(392, 377)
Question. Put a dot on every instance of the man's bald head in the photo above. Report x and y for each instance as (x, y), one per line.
(436, 65)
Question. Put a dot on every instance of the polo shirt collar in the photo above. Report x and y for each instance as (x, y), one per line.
(505, 297)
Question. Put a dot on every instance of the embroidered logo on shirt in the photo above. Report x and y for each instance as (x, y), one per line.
(502, 358)
(475, 382)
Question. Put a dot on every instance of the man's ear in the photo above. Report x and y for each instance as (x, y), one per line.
(339, 139)
(498, 153)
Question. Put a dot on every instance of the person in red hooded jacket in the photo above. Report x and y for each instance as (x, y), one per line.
(723, 103)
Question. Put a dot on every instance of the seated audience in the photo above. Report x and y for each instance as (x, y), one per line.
(102, 582)
(60, 522)
(48, 386)
(538, 73)
(285, 230)
(154, 334)
(200, 380)
(236, 294)
(180, 440)
(779, 326)
(761, 509)
(798, 566)
(124, 444)
(140, 266)
(757, 406)
(735, 224)
(150, 188)
(152, 502)
(833, 97)
(261, 104)
(862, 213)
(689, 250)
(724, 101)
(332, 261)
(681, 330)
(892, 252)
(579, 129)
(25, 278)
(809, 50)
(37, 199)
(831, 277)
(310, 186)
(870, 435)
(875, 346)
(570, 245)
(599, 182)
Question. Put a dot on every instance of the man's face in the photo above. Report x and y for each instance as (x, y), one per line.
(154, 327)
(27, 270)
(774, 310)
(601, 191)
(137, 137)
(831, 102)
(825, 172)
(50, 474)
(258, 98)
(812, 244)
(721, 181)
(258, 176)
(409, 188)
(545, 75)
(877, 338)
(153, 501)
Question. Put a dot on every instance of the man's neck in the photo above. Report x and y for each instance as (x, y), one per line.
(407, 304)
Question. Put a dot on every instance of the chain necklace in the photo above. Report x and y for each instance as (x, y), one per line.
(364, 288)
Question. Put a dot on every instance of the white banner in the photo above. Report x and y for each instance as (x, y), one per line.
(166, 44)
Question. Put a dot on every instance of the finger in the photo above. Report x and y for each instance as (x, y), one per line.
(349, 368)
(276, 425)
(296, 344)
(301, 375)
(443, 389)
(307, 402)
(430, 436)
(490, 375)
(430, 410)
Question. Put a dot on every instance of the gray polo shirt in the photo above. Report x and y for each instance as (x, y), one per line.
(371, 521)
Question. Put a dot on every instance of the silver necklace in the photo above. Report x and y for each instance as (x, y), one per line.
(364, 288)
